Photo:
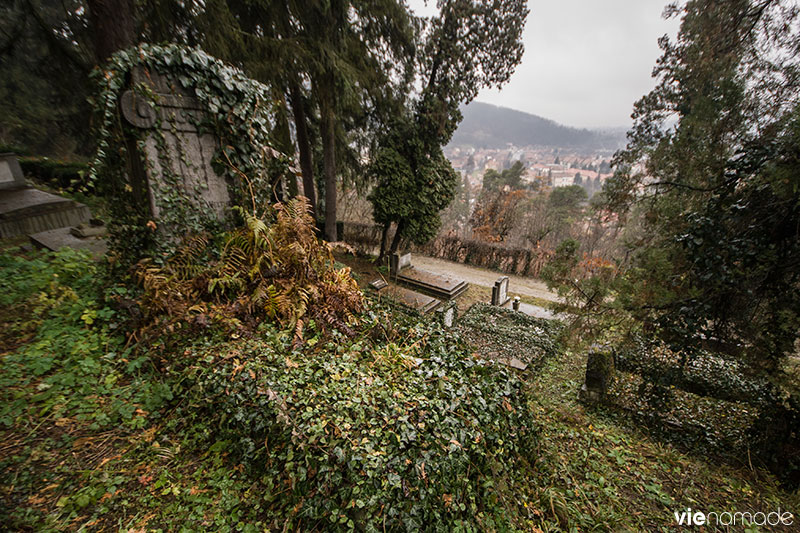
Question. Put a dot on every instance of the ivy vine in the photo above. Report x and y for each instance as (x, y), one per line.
(237, 111)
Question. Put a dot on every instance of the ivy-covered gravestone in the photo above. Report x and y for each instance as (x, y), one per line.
(176, 149)
(182, 137)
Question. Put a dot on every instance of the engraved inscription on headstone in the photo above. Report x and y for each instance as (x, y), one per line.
(500, 291)
(179, 149)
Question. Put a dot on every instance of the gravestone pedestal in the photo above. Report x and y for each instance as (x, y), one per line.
(26, 211)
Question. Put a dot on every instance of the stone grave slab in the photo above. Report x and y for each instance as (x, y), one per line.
(55, 239)
(25, 211)
(403, 271)
(419, 302)
(442, 286)
(517, 364)
(11, 176)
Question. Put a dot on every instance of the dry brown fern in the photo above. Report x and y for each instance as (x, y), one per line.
(278, 270)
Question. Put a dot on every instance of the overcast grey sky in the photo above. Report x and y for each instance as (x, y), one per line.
(586, 61)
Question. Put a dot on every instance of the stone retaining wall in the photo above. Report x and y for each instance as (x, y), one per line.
(518, 261)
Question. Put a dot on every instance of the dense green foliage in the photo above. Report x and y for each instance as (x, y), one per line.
(238, 113)
(468, 46)
(131, 439)
(414, 182)
(399, 428)
(502, 334)
(709, 204)
(76, 356)
(718, 258)
(70, 176)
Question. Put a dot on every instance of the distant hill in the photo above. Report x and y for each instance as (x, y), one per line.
(490, 126)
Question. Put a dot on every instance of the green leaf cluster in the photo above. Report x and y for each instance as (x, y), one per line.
(77, 360)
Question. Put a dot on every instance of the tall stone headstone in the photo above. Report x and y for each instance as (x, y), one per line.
(173, 164)
(500, 292)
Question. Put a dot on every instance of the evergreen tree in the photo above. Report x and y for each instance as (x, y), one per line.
(717, 195)
(471, 44)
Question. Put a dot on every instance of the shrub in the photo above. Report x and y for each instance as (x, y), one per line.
(68, 175)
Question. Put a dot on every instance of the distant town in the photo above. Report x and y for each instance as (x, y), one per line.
(544, 166)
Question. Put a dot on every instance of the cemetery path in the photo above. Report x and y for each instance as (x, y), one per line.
(484, 277)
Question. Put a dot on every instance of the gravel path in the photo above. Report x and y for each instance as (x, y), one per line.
(484, 277)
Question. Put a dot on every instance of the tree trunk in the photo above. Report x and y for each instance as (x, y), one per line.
(303, 146)
(384, 235)
(397, 236)
(112, 26)
(329, 163)
(284, 144)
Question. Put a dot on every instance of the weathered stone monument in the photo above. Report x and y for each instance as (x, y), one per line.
(500, 292)
(25, 210)
(599, 374)
(446, 314)
(182, 138)
(398, 262)
(173, 162)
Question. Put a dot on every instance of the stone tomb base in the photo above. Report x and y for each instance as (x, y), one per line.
(442, 286)
(26, 211)
(55, 239)
(416, 301)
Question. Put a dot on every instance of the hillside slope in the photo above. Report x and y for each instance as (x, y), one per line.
(490, 126)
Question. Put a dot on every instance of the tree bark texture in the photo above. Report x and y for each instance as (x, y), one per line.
(303, 146)
(329, 163)
(113, 26)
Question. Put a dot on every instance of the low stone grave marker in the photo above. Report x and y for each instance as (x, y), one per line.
(11, 176)
(500, 292)
(599, 374)
(378, 284)
(398, 262)
(446, 314)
